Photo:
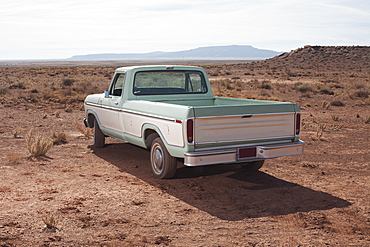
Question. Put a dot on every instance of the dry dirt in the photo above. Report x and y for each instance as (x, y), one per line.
(108, 197)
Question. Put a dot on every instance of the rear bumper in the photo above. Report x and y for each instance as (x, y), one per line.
(243, 154)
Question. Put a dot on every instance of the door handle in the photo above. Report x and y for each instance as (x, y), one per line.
(116, 103)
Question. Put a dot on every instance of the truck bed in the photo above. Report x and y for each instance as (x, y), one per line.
(211, 107)
(220, 122)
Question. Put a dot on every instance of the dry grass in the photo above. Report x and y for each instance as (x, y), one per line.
(87, 132)
(319, 132)
(14, 157)
(325, 105)
(50, 221)
(335, 117)
(38, 145)
(17, 131)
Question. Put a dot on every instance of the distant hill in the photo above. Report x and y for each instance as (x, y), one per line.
(324, 58)
(211, 52)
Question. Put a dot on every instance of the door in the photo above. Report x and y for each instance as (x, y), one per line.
(111, 105)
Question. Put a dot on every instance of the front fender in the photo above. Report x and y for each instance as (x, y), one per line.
(90, 116)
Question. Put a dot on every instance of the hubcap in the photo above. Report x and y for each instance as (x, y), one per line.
(158, 159)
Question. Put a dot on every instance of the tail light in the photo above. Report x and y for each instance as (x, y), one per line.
(297, 123)
(190, 130)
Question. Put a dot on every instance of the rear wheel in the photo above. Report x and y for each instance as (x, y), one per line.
(99, 137)
(163, 165)
(252, 166)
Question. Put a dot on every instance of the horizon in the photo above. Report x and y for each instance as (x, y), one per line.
(55, 30)
(154, 58)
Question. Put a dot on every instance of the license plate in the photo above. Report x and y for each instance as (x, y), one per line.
(247, 152)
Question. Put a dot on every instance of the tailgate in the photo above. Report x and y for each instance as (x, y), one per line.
(247, 123)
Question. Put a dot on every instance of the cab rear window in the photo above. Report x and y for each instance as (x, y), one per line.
(169, 82)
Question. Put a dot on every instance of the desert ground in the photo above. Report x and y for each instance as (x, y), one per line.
(77, 195)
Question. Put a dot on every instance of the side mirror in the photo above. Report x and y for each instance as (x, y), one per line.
(106, 94)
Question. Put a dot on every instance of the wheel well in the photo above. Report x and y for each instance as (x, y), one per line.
(149, 136)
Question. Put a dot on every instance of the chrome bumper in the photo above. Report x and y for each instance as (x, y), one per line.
(243, 154)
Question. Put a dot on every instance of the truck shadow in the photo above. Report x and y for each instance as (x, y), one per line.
(226, 192)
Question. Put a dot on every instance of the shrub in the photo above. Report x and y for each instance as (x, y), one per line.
(68, 82)
(335, 117)
(325, 105)
(3, 91)
(230, 87)
(37, 145)
(302, 88)
(362, 93)
(19, 85)
(50, 222)
(326, 91)
(337, 103)
(265, 85)
(59, 138)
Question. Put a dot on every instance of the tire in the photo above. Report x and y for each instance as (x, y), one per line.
(163, 165)
(252, 166)
(99, 137)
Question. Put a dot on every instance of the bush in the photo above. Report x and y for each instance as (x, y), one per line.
(337, 103)
(59, 138)
(326, 91)
(362, 93)
(266, 85)
(19, 85)
(68, 82)
(302, 88)
(3, 91)
(38, 145)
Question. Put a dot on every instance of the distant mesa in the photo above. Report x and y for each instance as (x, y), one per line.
(212, 52)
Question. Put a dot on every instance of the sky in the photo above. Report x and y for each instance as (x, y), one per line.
(48, 29)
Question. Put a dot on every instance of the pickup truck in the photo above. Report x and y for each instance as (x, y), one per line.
(171, 110)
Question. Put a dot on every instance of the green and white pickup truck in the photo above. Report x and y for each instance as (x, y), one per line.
(172, 111)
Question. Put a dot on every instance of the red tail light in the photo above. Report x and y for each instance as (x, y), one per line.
(190, 130)
(297, 123)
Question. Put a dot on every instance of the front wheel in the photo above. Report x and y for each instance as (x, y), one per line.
(252, 166)
(163, 165)
(99, 137)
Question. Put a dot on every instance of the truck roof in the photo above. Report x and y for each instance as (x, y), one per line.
(158, 67)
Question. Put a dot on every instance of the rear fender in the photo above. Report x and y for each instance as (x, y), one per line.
(149, 132)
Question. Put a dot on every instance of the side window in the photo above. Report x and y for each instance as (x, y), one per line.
(196, 84)
(117, 87)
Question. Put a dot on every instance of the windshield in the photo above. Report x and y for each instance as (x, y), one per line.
(169, 82)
